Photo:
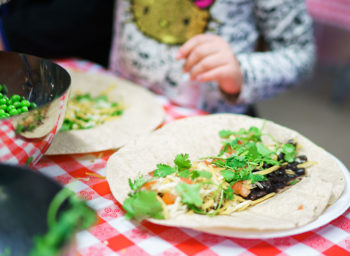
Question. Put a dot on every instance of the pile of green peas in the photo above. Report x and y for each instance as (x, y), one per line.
(14, 105)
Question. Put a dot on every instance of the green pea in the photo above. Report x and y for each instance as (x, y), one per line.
(25, 103)
(10, 107)
(2, 111)
(33, 105)
(3, 106)
(1, 95)
(17, 104)
(13, 112)
(3, 101)
(24, 109)
(15, 97)
(1, 87)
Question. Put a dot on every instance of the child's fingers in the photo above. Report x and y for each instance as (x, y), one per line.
(198, 54)
(221, 75)
(212, 75)
(206, 64)
(187, 47)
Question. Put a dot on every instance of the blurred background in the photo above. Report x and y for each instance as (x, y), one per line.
(319, 107)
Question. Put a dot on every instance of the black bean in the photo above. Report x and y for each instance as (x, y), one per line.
(280, 156)
(292, 166)
(300, 171)
(265, 166)
(292, 141)
(256, 194)
(302, 158)
(266, 184)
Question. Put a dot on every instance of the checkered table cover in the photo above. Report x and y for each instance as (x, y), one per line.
(114, 235)
(20, 151)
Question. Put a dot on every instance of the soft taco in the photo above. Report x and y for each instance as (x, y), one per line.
(104, 112)
(182, 157)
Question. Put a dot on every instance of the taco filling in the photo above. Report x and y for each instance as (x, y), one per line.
(244, 173)
(84, 112)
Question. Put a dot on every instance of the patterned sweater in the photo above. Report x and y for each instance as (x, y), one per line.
(147, 35)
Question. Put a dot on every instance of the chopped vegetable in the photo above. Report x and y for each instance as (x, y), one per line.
(243, 174)
(85, 112)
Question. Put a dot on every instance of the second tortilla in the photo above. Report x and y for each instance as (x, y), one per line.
(142, 114)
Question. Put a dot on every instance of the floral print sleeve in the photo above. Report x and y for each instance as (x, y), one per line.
(287, 31)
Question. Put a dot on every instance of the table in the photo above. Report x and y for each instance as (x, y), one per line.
(114, 235)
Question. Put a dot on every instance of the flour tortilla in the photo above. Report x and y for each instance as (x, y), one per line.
(198, 136)
(142, 114)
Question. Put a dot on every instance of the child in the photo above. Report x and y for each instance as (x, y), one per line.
(200, 53)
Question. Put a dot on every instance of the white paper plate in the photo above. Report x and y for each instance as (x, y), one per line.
(331, 213)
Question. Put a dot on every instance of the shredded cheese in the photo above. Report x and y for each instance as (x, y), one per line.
(306, 164)
(269, 170)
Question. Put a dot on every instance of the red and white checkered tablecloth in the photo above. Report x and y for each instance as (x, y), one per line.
(114, 235)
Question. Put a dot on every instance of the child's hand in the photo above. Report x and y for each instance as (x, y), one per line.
(209, 57)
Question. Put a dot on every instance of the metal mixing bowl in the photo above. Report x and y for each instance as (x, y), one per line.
(25, 138)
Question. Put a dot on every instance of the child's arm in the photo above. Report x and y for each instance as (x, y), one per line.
(287, 30)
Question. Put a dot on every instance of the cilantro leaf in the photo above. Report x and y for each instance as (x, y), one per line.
(225, 133)
(289, 152)
(143, 204)
(182, 162)
(236, 162)
(255, 133)
(268, 160)
(163, 170)
(262, 149)
(293, 182)
(205, 174)
(244, 174)
(252, 150)
(228, 193)
(256, 177)
(185, 173)
(137, 184)
(228, 175)
(190, 194)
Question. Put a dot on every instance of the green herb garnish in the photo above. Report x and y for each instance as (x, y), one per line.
(85, 112)
(289, 152)
(243, 157)
(190, 194)
(143, 204)
(163, 170)
(78, 216)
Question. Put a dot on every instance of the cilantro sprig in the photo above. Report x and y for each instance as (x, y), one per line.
(241, 155)
(190, 194)
(289, 152)
(143, 204)
(60, 230)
